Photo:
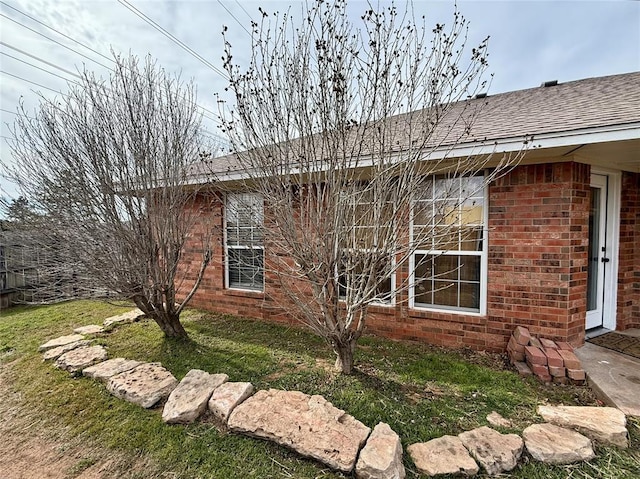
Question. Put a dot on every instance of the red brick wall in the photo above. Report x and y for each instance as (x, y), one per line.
(628, 314)
(537, 269)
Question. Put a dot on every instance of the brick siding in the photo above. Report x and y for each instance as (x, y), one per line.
(537, 268)
(628, 314)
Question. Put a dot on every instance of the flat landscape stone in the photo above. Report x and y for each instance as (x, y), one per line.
(444, 455)
(61, 341)
(226, 397)
(310, 425)
(79, 358)
(189, 399)
(144, 385)
(495, 452)
(60, 350)
(381, 456)
(128, 317)
(603, 424)
(90, 329)
(103, 371)
(497, 420)
(556, 445)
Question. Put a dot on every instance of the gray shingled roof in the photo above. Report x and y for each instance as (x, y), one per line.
(566, 107)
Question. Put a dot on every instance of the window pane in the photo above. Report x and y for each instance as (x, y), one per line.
(246, 268)
(470, 268)
(471, 239)
(448, 281)
(470, 295)
(445, 293)
(446, 267)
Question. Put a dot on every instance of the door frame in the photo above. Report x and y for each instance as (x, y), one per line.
(610, 302)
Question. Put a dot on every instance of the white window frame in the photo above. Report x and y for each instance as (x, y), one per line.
(228, 247)
(483, 254)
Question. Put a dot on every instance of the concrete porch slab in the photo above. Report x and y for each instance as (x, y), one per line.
(614, 377)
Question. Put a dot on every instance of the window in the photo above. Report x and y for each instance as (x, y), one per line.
(245, 247)
(448, 228)
(367, 243)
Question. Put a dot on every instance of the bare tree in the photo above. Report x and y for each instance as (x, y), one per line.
(106, 165)
(347, 133)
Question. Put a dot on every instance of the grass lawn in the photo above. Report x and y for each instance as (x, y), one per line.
(421, 392)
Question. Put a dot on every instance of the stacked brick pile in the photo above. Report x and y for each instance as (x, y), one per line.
(550, 361)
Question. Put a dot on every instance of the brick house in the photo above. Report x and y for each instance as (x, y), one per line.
(561, 247)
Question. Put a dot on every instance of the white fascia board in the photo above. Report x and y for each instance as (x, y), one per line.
(630, 131)
(543, 141)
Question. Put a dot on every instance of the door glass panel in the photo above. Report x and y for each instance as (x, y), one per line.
(594, 250)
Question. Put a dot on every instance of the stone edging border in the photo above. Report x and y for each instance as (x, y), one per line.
(315, 428)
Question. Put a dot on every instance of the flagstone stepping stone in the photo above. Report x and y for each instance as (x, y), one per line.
(128, 317)
(79, 358)
(604, 424)
(103, 371)
(226, 397)
(189, 399)
(556, 445)
(381, 456)
(60, 350)
(497, 420)
(90, 329)
(444, 455)
(310, 425)
(61, 341)
(144, 385)
(495, 452)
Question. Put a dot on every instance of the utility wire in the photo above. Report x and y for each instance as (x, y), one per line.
(37, 58)
(234, 17)
(244, 10)
(42, 69)
(53, 40)
(77, 42)
(57, 31)
(32, 82)
(171, 37)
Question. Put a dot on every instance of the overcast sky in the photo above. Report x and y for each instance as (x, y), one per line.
(531, 41)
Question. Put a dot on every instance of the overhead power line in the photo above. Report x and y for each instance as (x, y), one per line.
(32, 82)
(77, 42)
(53, 40)
(69, 72)
(234, 17)
(204, 109)
(42, 69)
(171, 37)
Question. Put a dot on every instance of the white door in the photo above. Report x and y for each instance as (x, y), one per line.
(598, 258)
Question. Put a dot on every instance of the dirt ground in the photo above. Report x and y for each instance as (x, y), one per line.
(28, 452)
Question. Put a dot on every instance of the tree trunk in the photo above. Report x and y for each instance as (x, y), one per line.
(169, 322)
(344, 356)
(171, 326)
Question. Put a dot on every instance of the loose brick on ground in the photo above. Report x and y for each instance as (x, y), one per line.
(535, 342)
(522, 335)
(515, 356)
(522, 368)
(540, 370)
(514, 346)
(553, 358)
(535, 355)
(571, 361)
(564, 346)
(576, 374)
(557, 371)
(548, 343)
